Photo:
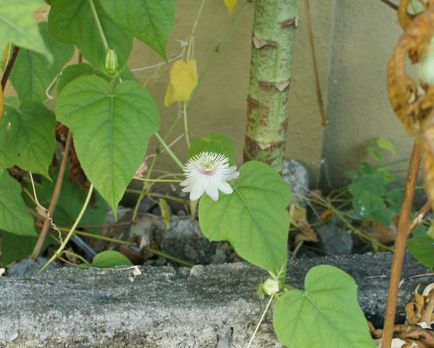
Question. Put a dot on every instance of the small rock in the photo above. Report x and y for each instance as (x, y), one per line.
(335, 240)
(297, 176)
(197, 270)
(184, 240)
(28, 267)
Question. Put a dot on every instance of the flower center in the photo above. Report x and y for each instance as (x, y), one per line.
(207, 168)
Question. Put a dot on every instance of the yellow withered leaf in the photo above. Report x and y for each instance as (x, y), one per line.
(183, 80)
(231, 5)
(298, 218)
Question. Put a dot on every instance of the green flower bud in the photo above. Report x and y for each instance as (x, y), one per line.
(111, 62)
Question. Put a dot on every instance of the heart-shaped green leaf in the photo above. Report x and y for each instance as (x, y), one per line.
(32, 73)
(328, 307)
(71, 72)
(148, 20)
(110, 258)
(18, 25)
(14, 216)
(111, 126)
(73, 21)
(27, 137)
(254, 218)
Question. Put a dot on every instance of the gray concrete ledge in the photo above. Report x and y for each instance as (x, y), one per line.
(214, 306)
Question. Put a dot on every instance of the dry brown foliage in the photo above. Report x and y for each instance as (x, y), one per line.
(413, 100)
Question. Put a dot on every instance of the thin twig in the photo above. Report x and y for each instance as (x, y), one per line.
(400, 245)
(419, 217)
(71, 231)
(9, 67)
(324, 117)
(53, 201)
(391, 4)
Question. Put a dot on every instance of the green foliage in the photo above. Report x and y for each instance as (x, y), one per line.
(17, 25)
(372, 196)
(386, 144)
(27, 137)
(14, 215)
(147, 20)
(72, 72)
(32, 73)
(328, 307)
(215, 142)
(70, 202)
(112, 117)
(73, 22)
(254, 218)
(15, 247)
(421, 246)
(110, 258)
(111, 126)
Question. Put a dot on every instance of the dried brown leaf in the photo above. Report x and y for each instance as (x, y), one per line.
(410, 103)
(298, 218)
(403, 16)
(428, 164)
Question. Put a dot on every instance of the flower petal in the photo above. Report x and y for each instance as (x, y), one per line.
(233, 174)
(212, 191)
(225, 187)
(197, 191)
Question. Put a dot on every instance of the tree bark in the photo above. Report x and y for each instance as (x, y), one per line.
(270, 77)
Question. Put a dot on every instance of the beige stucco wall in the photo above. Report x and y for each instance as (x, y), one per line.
(353, 41)
(219, 103)
(365, 33)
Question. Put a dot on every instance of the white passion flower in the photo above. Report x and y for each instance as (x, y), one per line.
(208, 172)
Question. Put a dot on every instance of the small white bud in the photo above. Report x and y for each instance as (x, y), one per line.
(271, 286)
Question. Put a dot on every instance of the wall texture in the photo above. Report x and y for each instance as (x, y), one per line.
(219, 103)
(365, 33)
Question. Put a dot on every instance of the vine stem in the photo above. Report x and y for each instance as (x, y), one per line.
(144, 191)
(54, 199)
(169, 150)
(193, 30)
(9, 67)
(190, 53)
(187, 136)
(71, 231)
(98, 25)
(270, 301)
(404, 229)
(323, 113)
(157, 180)
(148, 249)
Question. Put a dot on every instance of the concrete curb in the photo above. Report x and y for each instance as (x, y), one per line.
(212, 306)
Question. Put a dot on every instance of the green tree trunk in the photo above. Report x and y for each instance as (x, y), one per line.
(270, 76)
